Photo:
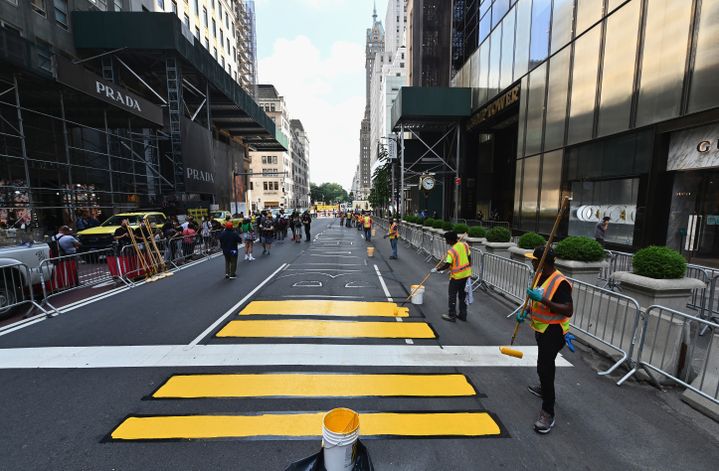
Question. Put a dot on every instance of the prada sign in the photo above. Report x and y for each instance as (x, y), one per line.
(83, 80)
(504, 101)
(200, 176)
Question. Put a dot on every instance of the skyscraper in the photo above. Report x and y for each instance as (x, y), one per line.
(373, 47)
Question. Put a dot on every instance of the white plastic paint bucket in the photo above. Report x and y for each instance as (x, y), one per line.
(374, 232)
(370, 251)
(340, 430)
(417, 294)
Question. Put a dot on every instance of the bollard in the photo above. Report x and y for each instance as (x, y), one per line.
(370, 251)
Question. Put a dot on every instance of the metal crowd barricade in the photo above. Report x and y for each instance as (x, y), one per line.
(670, 346)
(81, 270)
(17, 288)
(607, 317)
(618, 261)
(439, 247)
(506, 276)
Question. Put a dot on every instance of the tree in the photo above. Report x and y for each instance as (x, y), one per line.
(381, 192)
(328, 193)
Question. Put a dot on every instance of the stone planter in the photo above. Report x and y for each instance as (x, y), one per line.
(673, 294)
(499, 248)
(666, 336)
(587, 272)
(518, 254)
(476, 242)
(707, 383)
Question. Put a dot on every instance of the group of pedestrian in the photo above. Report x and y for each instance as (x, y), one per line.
(264, 228)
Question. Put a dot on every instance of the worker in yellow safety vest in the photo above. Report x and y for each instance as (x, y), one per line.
(459, 262)
(367, 225)
(550, 311)
(393, 237)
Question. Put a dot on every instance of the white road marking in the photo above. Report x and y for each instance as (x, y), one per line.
(156, 356)
(233, 309)
(307, 284)
(384, 286)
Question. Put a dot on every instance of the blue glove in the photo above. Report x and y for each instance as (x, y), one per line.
(521, 315)
(568, 339)
(535, 294)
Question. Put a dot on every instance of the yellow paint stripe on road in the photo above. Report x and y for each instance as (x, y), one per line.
(319, 307)
(326, 329)
(314, 385)
(401, 424)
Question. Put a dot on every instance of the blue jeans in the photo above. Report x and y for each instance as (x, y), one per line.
(368, 234)
(393, 243)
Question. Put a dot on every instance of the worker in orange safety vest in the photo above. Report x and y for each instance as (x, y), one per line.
(459, 262)
(550, 311)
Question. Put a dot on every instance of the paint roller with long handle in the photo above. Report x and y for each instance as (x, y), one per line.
(537, 274)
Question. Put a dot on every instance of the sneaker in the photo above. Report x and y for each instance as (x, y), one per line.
(227, 276)
(251, 259)
(232, 277)
(449, 318)
(392, 257)
(247, 257)
(536, 390)
(462, 318)
(544, 423)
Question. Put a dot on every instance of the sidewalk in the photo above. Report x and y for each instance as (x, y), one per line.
(599, 425)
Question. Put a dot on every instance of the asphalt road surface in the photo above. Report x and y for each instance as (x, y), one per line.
(197, 372)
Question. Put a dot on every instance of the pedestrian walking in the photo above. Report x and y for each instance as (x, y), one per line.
(188, 241)
(296, 226)
(459, 262)
(393, 237)
(229, 241)
(549, 312)
(307, 222)
(248, 236)
(206, 231)
(268, 233)
(342, 218)
(367, 225)
(600, 230)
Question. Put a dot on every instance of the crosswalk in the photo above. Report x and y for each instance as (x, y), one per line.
(360, 320)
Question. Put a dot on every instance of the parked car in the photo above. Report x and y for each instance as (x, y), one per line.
(14, 282)
(221, 216)
(101, 237)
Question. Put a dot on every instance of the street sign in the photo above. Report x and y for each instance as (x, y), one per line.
(457, 181)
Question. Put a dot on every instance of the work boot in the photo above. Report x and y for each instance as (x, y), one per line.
(449, 318)
(536, 390)
(544, 423)
(462, 318)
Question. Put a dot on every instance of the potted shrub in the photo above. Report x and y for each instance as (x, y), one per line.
(526, 244)
(427, 222)
(658, 277)
(498, 241)
(477, 236)
(447, 226)
(437, 226)
(581, 258)
(460, 228)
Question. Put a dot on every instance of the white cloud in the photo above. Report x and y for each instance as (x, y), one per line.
(327, 94)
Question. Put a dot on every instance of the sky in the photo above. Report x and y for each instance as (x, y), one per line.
(313, 52)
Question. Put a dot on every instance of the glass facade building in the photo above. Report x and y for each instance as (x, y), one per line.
(608, 91)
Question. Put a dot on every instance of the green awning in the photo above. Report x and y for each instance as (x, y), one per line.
(430, 107)
(236, 111)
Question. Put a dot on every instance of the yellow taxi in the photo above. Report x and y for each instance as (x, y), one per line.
(221, 217)
(101, 236)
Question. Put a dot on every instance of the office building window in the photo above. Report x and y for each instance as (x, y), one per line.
(663, 60)
(557, 89)
(204, 16)
(264, 185)
(222, 37)
(539, 42)
(214, 52)
(562, 19)
(161, 4)
(588, 13)
(220, 10)
(227, 21)
(38, 6)
(584, 86)
(186, 20)
(222, 61)
(214, 28)
(521, 48)
(228, 45)
(195, 7)
(61, 12)
(530, 193)
(207, 43)
(535, 110)
(704, 84)
(197, 32)
(549, 194)
(174, 7)
(620, 50)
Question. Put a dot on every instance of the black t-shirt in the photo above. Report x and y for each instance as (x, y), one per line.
(120, 231)
(563, 294)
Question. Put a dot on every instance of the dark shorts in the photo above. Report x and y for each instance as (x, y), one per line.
(268, 239)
